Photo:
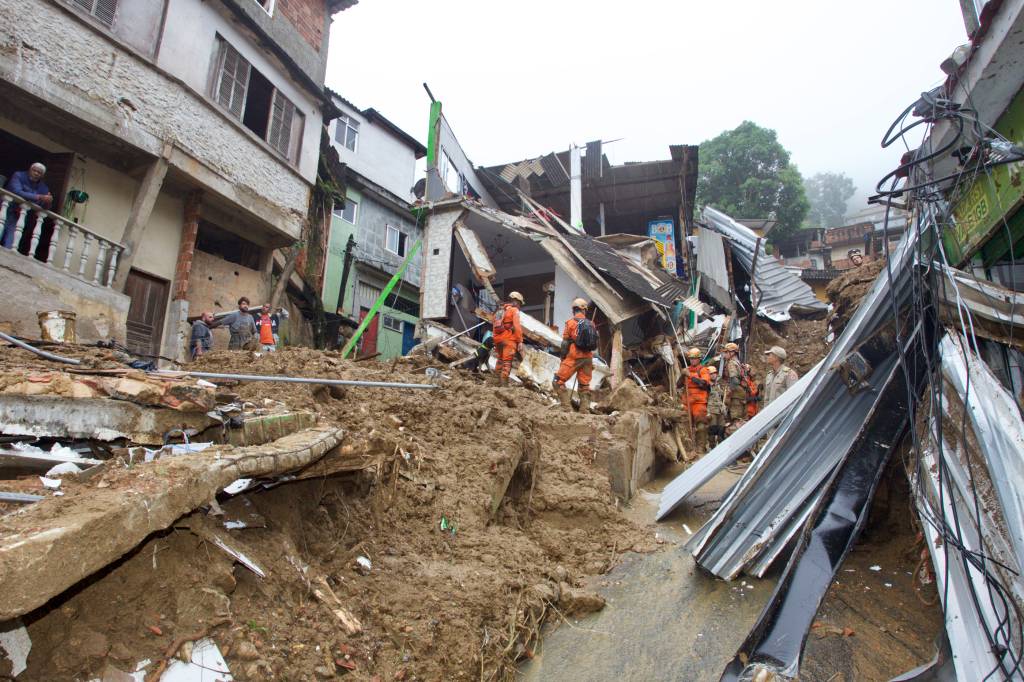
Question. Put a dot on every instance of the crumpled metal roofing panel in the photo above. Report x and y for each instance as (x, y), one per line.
(730, 449)
(779, 289)
(763, 510)
(996, 422)
(611, 262)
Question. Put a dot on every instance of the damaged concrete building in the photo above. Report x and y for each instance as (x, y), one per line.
(181, 141)
(374, 230)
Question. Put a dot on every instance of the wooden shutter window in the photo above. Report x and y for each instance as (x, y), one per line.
(103, 10)
(233, 80)
(279, 134)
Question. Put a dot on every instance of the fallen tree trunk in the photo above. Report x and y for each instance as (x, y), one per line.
(60, 541)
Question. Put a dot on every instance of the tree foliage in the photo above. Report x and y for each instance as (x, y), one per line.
(746, 172)
(828, 194)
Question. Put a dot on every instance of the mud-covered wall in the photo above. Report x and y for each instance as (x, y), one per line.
(33, 287)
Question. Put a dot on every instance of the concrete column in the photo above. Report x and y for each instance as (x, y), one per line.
(138, 218)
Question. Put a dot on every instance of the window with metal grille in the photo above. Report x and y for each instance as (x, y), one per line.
(367, 293)
(251, 98)
(392, 323)
(346, 132)
(403, 305)
(103, 10)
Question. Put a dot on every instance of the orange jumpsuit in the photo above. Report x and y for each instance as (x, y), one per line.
(751, 386)
(695, 397)
(507, 339)
(578, 362)
(695, 400)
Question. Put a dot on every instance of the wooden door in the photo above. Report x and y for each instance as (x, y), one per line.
(146, 313)
(368, 344)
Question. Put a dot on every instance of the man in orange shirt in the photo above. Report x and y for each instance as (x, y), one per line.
(750, 385)
(508, 335)
(697, 384)
(578, 343)
(265, 326)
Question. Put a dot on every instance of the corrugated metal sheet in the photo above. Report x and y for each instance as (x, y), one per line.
(770, 504)
(618, 267)
(779, 289)
(946, 497)
(730, 449)
(592, 166)
(712, 267)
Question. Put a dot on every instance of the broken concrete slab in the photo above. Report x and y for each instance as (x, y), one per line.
(57, 542)
(93, 418)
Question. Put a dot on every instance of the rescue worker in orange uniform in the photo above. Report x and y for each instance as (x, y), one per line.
(576, 360)
(697, 385)
(750, 384)
(508, 335)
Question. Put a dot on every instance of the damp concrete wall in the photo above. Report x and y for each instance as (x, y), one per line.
(216, 284)
(33, 287)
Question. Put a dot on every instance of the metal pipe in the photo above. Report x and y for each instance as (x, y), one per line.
(297, 380)
(41, 353)
(465, 331)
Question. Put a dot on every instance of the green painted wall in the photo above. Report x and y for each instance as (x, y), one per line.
(340, 232)
(989, 200)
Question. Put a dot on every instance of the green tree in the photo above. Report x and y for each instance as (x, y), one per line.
(746, 173)
(828, 194)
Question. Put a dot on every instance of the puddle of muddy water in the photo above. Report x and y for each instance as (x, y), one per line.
(667, 620)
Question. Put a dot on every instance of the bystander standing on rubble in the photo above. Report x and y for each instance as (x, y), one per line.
(579, 339)
(716, 409)
(241, 325)
(202, 338)
(696, 387)
(735, 389)
(267, 324)
(28, 185)
(780, 377)
(508, 335)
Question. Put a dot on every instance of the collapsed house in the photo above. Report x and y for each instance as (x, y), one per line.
(927, 370)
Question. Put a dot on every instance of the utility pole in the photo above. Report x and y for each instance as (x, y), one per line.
(349, 246)
(575, 188)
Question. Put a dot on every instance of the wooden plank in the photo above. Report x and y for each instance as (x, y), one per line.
(617, 364)
(533, 329)
(565, 242)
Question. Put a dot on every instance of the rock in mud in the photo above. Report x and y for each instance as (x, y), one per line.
(628, 396)
(577, 602)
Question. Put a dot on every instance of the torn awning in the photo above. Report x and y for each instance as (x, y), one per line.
(779, 289)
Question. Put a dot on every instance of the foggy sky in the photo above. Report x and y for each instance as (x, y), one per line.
(520, 79)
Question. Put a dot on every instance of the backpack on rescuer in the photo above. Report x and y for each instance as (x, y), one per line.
(586, 335)
(498, 324)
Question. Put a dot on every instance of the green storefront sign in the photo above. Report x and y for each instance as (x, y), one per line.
(991, 200)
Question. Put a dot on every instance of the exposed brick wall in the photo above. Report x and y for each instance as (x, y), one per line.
(307, 16)
(189, 231)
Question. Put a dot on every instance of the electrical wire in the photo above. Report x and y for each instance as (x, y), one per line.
(932, 213)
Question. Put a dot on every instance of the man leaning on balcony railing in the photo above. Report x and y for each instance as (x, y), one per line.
(28, 185)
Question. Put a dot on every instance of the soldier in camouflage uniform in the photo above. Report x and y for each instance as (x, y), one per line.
(735, 388)
(716, 410)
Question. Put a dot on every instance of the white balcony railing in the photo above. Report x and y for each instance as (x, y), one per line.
(67, 247)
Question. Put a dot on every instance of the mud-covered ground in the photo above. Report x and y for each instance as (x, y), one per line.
(458, 603)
